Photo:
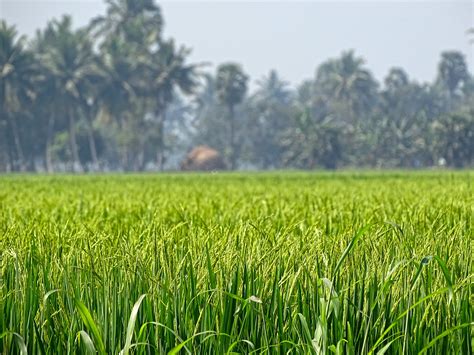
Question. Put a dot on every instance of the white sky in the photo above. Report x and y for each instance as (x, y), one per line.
(292, 37)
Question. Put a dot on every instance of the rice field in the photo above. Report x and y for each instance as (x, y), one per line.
(281, 263)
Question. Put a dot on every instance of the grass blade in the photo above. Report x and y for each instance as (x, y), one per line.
(90, 324)
(131, 325)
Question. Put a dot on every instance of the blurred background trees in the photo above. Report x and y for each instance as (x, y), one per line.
(118, 96)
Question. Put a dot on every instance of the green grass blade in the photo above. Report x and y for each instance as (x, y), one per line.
(90, 324)
(131, 325)
(86, 341)
(443, 334)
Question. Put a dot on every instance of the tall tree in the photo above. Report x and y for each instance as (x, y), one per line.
(134, 21)
(166, 71)
(268, 116)
(71, 63)
(395, 132)
(454, 139)
(231, 85)
(313, 141)
(117, 96)
(18, 70)
(129, 36)
(348, 85)
(452, 73)
(396, 79)
(208, 127)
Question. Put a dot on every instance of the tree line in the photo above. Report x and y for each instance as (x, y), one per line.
(118, 96)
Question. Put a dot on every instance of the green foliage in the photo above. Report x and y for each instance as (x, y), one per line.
(313, 142)
(268, 115)
(358, 263)
(118, 95)
(18, 70)
(231, 87)
(452, 71)
(231, 84)
(346, 82)
(456, 132)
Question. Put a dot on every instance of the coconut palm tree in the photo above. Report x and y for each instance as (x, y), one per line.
(312, 141)
(18, 71)
(231, 86)
(269, 114)
(69, 60)
(454, 138)
(117, 90)
(166, 71)
(208, 127)
(346, 82)
(135, 21)
(452, 73)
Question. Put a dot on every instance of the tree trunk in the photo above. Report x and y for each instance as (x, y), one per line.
(140, 161)
(9, 163)
(90, 135)
(49, 138)
(11, 160)
(233, 156)
(123, 145)
(72, 140)
(92, 147)
(17, 143)
(160, 154)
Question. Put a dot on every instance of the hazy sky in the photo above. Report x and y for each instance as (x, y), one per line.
(292, 37)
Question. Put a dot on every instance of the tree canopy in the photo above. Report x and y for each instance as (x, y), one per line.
(116, 95)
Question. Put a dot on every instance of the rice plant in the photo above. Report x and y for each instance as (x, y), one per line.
(300, 263)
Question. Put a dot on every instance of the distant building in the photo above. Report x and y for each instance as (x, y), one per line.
(203, 158)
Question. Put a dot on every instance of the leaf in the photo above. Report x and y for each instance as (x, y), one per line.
(19, 341)
(306, 332)
(349, 247)
(87, 341)
(235, 343)
(423, 263)
(177, 348)
(131, 325)
(21, 344)
(39, 339)
(443, 334)
(385, 348)
(47, 294)
(416, 304)
(90, 324)
(447, 276)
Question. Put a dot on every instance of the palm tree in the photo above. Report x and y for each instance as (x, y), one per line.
(18, 71)
(117, 97)
(165, 71)
(270, 113)
(134, 21)
(312, 141)
(347, 82)
(272, 88)
(231, 86)
(130, 32)
(454, 138)
(397, 98)
(396, 79)
(117, 89)
(452, 73)
(208, 126)
(71, 63)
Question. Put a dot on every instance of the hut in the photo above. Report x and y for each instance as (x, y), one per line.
(203, 158)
